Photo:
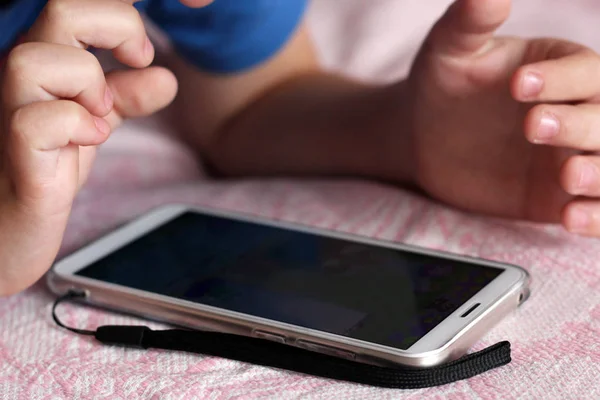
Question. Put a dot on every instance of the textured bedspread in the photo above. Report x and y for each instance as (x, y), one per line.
(555, 336)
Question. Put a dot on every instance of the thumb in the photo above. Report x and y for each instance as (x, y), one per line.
(468, 26)
(139, 92)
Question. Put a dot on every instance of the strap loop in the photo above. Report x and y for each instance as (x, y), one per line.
(276, 355)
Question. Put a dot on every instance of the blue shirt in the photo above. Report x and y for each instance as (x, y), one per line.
(227, 36)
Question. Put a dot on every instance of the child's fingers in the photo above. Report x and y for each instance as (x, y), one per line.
(582, 217)
(42, 145)
(44, 71)
(576, 127)
(87, 156)
(196, 3)
(50, 125)
(580, 176)
(140, 92)
(107, 24)
(573, 74)
(468, 26)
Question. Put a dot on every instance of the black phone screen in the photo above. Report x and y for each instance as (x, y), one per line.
(371, 293)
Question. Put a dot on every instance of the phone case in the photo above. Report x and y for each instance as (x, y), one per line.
(275, 355)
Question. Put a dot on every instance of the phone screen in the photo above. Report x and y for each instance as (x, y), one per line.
(371, 293)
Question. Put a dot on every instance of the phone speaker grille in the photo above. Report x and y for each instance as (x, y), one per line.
(470, 310)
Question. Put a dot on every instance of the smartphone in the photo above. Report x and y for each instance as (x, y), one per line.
(352, 297)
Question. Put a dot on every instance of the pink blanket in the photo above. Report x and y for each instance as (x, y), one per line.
(555, 335)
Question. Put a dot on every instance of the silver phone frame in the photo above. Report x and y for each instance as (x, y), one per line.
(449, 340)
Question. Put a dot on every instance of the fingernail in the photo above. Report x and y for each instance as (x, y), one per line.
(588, 176)
(549, 128)
(532, 85)
(580, 221)
(102, 125)
(108, 99)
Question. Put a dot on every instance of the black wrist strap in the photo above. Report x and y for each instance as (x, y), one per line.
(276, 355)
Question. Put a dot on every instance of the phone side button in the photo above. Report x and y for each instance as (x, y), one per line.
(320, 348)
(269, 336)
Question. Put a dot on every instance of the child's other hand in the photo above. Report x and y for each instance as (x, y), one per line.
(507, 126)
(57, 106)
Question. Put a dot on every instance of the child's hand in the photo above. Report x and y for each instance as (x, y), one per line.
(504, 125)
(57, 105)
